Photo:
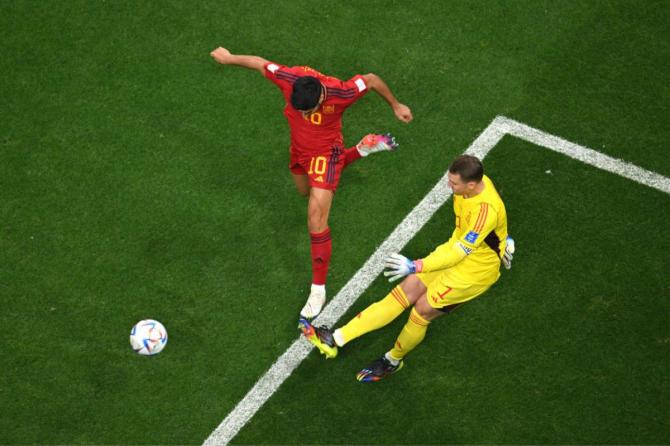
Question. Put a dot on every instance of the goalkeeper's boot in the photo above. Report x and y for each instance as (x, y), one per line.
(378, 370)
(376, 143)
(315, 302)
(320, 337)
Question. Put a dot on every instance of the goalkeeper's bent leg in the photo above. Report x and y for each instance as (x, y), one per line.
(373, 317)
(411, 335)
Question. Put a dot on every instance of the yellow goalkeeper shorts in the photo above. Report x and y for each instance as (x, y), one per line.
(442, 292)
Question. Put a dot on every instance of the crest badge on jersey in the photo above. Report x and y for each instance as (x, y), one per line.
(328, 109)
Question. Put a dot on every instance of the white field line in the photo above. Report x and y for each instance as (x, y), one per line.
(401, 235)
(583, 154)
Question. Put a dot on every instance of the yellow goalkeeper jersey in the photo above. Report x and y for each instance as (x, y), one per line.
(472, 254)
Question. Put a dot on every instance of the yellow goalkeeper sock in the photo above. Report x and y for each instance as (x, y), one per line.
(411, 335)
(373, 317)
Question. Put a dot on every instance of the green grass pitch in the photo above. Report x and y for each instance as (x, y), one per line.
(139, 179)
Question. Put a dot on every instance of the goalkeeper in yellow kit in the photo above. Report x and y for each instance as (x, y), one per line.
(457, 271)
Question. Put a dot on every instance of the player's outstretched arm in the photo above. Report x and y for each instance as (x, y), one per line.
(224, 57)
(376, 83)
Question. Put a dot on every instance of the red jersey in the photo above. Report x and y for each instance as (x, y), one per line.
(321, 130)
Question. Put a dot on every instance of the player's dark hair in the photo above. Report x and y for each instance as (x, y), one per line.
(306, 93)
(468, 167)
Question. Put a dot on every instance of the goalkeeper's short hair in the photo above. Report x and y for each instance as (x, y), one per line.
(469, 168)
(306, 93)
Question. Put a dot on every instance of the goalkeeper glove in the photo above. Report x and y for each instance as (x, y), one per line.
(507, 255)
(400, 266)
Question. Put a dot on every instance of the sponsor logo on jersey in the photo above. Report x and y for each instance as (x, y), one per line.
(471, 237)
(319, 179)
(467, 250)
(328, 109)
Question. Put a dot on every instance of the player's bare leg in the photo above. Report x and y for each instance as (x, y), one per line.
(425, 310)
(301, 184)
(318, 209)
(413, 288)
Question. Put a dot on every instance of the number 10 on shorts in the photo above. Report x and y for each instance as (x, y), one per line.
(318, 165)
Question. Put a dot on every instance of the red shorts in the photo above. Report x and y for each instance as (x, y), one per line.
(323, 170)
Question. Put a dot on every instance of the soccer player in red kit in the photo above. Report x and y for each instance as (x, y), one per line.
(314, 107)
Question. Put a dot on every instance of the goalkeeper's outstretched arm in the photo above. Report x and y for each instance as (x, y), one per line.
(445, 256)
(224, 57)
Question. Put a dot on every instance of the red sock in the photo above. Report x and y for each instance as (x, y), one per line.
(350, 155)
(322, 248)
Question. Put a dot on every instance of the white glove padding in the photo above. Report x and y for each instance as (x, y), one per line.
(507, 255)
(398, 266)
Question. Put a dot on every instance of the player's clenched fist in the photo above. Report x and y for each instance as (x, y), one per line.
(403, 113)
(220, 55)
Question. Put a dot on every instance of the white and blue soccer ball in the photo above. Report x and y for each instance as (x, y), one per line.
(148, 337)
